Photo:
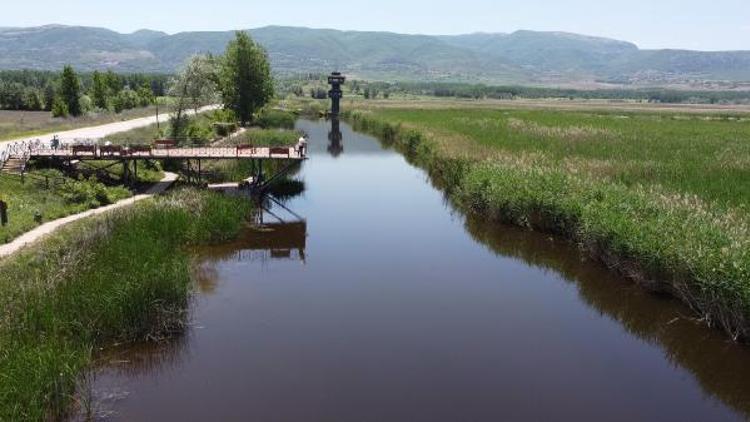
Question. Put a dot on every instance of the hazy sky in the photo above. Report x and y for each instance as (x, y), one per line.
(694, 24)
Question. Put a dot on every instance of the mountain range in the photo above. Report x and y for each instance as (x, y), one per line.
(522, 57)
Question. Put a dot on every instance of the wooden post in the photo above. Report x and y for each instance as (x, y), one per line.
(3, 213)
(125, 172)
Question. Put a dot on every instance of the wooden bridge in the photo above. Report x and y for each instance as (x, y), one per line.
(148, 152)
(14, 157)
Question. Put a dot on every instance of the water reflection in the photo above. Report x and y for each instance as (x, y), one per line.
(721, 367)
(263, 242)
(335, 138)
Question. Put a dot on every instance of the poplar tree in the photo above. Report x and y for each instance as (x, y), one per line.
(99, 90)
(245, 77)
(70, 91)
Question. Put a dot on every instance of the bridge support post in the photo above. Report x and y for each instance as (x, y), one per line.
(125, 172)
(189, 170)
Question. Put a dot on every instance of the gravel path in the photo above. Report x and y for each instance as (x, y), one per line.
(98, 132)
(47, 228)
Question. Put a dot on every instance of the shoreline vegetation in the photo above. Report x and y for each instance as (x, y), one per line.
(46, 194)
(644, 193)
(126, 275)
(120, 277)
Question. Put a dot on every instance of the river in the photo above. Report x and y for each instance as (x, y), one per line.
(385, 304)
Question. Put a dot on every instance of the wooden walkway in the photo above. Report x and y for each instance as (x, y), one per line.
(148, 153)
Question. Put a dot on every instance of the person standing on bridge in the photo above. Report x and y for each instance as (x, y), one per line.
(302, 146)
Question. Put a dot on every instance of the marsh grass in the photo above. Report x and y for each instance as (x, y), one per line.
(267, 137)
(120, 277)
(651, 195)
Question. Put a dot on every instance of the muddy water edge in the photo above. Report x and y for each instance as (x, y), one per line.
(372, 299)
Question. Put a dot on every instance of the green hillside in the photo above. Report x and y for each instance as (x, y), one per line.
(521, 57)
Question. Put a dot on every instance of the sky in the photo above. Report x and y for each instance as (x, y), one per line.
(690, 24)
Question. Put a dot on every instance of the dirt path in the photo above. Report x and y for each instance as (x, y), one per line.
(98, 132)
(47, 228)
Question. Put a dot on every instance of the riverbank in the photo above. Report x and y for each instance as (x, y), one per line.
(658, 212)
(115, 278)
(47, 228)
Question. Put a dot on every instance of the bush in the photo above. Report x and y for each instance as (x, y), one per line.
(91, 193)
(59, 108)
(276, 119)
(224, 129)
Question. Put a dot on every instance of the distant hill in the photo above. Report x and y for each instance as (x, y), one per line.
(526, 57)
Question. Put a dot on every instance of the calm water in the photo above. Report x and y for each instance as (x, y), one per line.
(386, 305)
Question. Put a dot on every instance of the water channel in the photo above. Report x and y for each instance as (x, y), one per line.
(385, 304)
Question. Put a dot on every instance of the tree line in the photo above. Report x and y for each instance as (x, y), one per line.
(480, 91)
(70, 93)
(373, 89)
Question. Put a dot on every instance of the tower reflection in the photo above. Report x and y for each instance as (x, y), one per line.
(335, 138)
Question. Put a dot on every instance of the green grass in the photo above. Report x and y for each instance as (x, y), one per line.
(691, 154)
(64, 197)
(120, 277)
(660, 197)
(267, 137)
(141, 135)
(273, 118)
(200, 131)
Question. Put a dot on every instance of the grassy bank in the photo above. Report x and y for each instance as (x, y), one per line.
(46, 195)
(661, 198)
(120, 277)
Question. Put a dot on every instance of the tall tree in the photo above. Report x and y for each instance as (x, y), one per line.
(99, 90)
(245, 77)
(70, 91)
(194, 86)
(114, 83)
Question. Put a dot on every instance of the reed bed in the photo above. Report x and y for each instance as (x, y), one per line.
(120, 277)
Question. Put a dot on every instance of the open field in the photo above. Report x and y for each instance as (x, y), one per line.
(662, 197)
(82, 291)
(17, 124)
(423, 102)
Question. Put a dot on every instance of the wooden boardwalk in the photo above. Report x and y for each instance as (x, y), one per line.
(94, 152)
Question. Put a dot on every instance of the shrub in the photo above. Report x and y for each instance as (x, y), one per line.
(224, 129)
(275, 119)
(91, 193)
(59, 108)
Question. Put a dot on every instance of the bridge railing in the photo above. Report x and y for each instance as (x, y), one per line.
(99, 149)
(21, 149)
